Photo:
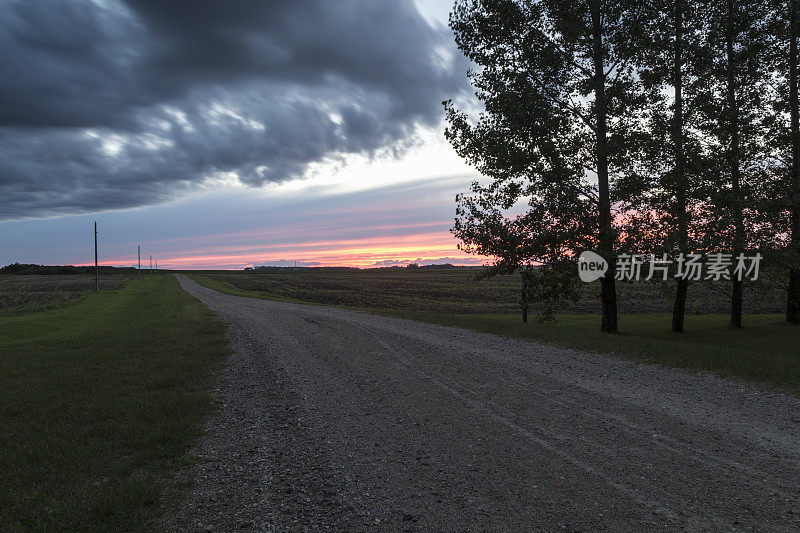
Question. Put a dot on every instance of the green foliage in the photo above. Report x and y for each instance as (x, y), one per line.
(734, 109)
(561, 97)
(549, 287)
(667, 194)
(644, 127)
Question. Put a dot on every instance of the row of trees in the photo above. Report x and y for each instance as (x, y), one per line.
(666, 126)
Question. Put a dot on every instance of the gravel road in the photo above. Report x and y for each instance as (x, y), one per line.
(330, 419)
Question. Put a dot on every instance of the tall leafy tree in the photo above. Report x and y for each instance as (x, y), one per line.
(672, 63)
(781, 213)
(559, 126)
(786, 208)
(792, 16)
(793, 189)
(734, 104)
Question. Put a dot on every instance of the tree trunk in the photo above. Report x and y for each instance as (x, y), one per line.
(733, 161)
(793, 301)
(524, 298)
(607, 283)
(793, 296)
(679, 307)
(736, 305)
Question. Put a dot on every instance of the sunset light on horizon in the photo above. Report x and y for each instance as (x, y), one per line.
(260, 167)
(399, 265)
(421, 248)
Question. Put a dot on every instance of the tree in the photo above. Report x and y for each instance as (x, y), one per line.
(787, 190)
(560, 96)
(793, 294)
(734, 105)
(680, 181)
(669, 59)
(781, 210)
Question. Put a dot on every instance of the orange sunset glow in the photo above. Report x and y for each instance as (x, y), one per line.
(385, 226)
(432, 247)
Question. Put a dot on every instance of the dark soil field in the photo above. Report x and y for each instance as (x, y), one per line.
(457, 291)
(36, 292)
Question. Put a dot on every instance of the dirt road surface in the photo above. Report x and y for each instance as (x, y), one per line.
(330, 419)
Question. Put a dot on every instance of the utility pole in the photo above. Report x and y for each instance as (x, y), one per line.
(96, 277)
(139, 259)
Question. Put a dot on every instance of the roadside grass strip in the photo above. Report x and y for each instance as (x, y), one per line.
(99, 403)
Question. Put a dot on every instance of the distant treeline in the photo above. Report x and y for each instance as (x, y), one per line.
(19, 268)
(445, 266)
(266, 267)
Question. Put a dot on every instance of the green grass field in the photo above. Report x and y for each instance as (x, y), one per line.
(99, 402)
(767, 350)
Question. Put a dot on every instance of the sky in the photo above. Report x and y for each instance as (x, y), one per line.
(229, 134)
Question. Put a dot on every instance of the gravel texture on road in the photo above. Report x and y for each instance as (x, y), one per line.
(330, 419)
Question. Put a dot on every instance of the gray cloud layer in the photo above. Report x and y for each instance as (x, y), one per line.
(109, 105)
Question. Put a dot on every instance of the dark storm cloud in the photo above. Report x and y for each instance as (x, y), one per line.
(109, 105)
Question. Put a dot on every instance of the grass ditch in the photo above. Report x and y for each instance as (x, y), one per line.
(101, 399)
